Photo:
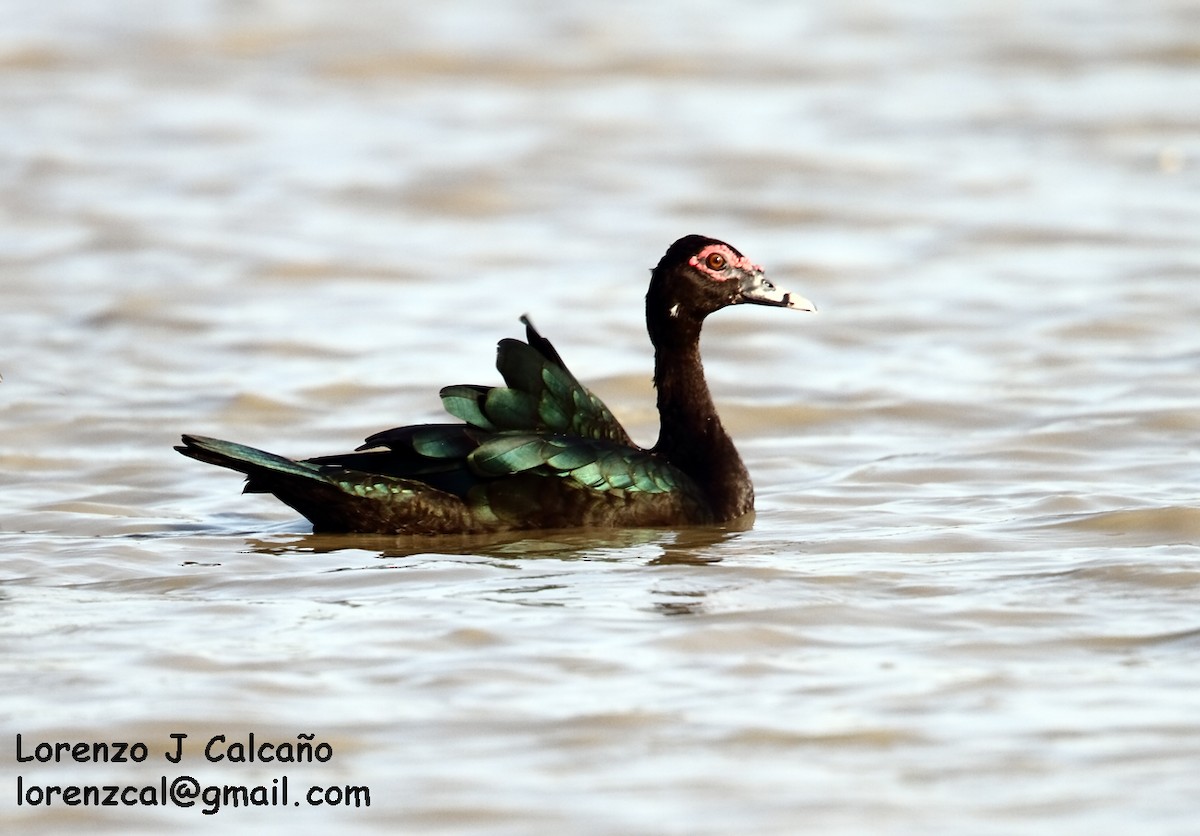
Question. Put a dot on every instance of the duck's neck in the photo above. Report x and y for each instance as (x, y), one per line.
(690, 434)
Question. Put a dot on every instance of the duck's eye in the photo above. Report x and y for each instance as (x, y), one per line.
(715, 261)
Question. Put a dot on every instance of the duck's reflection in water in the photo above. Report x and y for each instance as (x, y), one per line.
(695, 546)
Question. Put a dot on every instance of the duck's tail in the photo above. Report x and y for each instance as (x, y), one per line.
(336, 497)
(263, 470)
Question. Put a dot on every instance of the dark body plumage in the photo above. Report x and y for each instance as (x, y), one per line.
(543, 451)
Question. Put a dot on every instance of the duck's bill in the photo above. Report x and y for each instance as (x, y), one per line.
(756, 290)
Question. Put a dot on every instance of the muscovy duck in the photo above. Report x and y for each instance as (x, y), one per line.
(543, 451)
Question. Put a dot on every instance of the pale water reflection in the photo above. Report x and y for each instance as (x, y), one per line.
(970, 602)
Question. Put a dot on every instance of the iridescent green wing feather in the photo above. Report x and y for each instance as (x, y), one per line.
(598, 464)
(541, 395)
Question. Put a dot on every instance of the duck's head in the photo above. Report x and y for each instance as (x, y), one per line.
(699, 275)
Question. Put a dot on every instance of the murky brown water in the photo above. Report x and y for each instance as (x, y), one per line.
(971, 602)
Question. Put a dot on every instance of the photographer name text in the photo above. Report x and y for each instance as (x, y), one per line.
(218, 749)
